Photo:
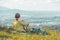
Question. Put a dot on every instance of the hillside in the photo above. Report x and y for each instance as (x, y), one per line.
(47, 19)
(9, 34)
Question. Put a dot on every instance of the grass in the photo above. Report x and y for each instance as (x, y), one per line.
(9, 34)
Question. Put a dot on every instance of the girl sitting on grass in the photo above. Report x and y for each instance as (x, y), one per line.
(19, 25)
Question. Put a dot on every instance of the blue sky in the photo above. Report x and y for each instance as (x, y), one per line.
(31, 5)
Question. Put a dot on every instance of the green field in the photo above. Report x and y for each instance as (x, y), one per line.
(9, 34)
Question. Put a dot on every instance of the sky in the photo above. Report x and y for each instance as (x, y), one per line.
(31, 5)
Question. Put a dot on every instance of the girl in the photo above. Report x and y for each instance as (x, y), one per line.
(19, 25)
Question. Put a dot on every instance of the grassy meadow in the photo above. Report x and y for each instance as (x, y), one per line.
(10, 34)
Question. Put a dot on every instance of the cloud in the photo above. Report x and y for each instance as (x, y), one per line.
(31, 4)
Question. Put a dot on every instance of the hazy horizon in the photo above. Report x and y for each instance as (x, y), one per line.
(31, 5)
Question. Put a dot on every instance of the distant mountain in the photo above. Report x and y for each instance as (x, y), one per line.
(4, 8)
(7, 10)
(47, 13)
